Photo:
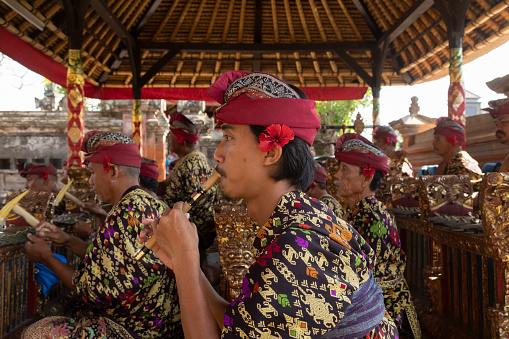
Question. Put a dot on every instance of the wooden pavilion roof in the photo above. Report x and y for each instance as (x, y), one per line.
(310, 43)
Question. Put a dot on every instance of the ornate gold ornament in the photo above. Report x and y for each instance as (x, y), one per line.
(235, 234)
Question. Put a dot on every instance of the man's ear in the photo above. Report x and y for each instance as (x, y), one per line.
(273, 156)
(367, 181)
(115, 172)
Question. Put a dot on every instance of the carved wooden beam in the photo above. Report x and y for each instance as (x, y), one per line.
(157, 67)
(414, 12)
(146, 17)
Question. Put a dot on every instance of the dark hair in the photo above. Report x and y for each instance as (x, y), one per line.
(377, 180)
(296, 163)
(149, 183)
(322, 185)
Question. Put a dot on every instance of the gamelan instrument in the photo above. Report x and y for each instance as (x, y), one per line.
(187, 206)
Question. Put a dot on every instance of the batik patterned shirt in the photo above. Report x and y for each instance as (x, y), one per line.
(333, 204)
(463, 163)
(378, 227)
(139, 295)
(186, 178)
(308, 265)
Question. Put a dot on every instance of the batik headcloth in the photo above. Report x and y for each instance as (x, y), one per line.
(263, 99)
(179, 125)
(149, 168)
(354, 149)
(110, 147)
(40, 169)
(498, 107)
(452, 131)
(385, 133)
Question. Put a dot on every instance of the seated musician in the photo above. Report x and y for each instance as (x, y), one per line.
(311, 278)
(385, 138)
(499, 111)
(39, 177)
(149, 173)
(318, 190)
(190, 171)
(361, 169)
(450, 143)
(122, 297)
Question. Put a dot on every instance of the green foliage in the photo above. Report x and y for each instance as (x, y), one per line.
(337, 113)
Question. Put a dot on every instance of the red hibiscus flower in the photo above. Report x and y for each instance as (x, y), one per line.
(106, 164)
(278, 135)
(452, 140)
(367, 171)
(180, 139)
(44, 175)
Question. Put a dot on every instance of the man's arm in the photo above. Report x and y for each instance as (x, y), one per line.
(216, 303)
(38, 250)
(62, 239)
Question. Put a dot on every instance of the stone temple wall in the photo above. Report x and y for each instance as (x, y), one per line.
(38, 136)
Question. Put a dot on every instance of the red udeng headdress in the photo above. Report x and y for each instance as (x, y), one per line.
(264, 100)
(149, 169)
(41, 169)
(386, 134)
(354, 149)
(452, 131)
(179, 126)
(110, 148)
(498, 107)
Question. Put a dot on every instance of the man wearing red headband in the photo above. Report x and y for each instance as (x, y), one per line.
(318, 190)
(385, 138)
(450, 143)
(39, 177)
(311, 277)
(189, 173)
(499, 111)
(361, 169)
(123, 297)
(149, 173)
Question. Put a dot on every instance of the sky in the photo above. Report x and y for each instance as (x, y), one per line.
(19, 87)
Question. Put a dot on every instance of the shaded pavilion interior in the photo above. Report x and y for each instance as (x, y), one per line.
(177, 49)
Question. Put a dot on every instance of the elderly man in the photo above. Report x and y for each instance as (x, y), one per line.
(190, 171)
(385, 138)
(499, 111)
(39, 177)
(318, 190)
(123, 298)
(311, 278)
(361, 169)
(450, 143)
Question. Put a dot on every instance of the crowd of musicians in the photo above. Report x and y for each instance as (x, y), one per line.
(322, 269)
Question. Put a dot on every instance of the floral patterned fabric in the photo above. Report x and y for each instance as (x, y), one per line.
(186, 178)
(333, 204)
(378, 227)
(120, 294)
(308, 265)
(463, 163)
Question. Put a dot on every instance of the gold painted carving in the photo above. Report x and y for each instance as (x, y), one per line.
(80, 187)
(35, 203)
(235, 233)
(440, 190)
(495, 212)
